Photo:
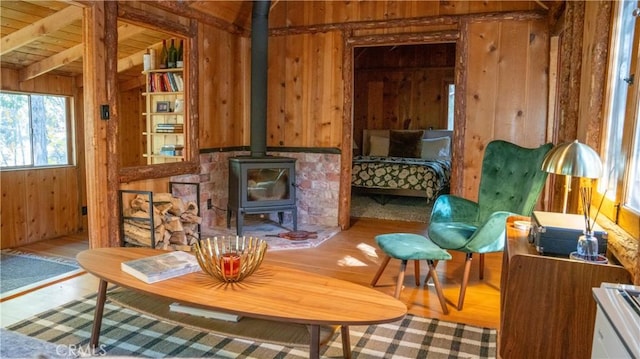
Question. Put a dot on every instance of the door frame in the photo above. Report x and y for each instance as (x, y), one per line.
(426, 38)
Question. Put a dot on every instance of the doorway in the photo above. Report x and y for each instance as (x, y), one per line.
(354, 122)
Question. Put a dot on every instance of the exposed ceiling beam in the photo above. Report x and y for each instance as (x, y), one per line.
(40, 28)
(52, 62)
(69, 55)
(183, 9)
(130, 61)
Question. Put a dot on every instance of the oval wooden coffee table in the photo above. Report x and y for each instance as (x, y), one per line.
(271, 293)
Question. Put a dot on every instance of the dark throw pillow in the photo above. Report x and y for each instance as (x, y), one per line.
(405, 143)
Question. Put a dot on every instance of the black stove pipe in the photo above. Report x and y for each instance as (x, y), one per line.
(259, 63)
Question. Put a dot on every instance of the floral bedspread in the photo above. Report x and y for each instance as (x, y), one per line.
(430, 176)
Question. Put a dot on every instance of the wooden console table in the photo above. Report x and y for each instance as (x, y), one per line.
(546, 304)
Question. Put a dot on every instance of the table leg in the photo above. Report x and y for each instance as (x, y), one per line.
(314, 347)
(346, 342)
(97, 315)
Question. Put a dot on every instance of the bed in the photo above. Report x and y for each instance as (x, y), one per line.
(414, 163)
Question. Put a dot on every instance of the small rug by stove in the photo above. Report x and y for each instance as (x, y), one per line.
(21, 271)
(264, 228)
(395, 208)
(129, 333)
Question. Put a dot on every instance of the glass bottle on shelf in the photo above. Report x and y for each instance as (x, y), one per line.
(164, 54)
(173, 55)
(180, 61)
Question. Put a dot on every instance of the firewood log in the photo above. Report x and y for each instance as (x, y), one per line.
(177, 206)
(178, 238)
(163, 208)
(162, 197)
(192, 207)
(173, 224)
(190, 218)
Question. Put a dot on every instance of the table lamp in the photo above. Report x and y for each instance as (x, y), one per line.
(572, 159)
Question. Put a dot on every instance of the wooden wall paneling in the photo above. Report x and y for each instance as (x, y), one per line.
(130, 140)
(314, 99)
(538, 86)
(293, 129)
(13, 210)
(66, 210)
(223, 74)
(407, 109)
(411, 99)
(511, 78)
(423, 8)
(333, 92)
(277, 91)
(483, 55)
(390, 104)
(510, 116)
(49, 84)
(375, 108)
(41, 213)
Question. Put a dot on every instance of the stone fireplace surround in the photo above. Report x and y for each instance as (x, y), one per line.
(317, 181)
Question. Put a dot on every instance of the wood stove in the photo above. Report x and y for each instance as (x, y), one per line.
(261, 185)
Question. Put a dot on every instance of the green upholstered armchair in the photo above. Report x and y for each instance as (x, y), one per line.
(510, 183)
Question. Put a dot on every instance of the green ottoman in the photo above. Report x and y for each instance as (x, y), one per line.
(409, 246)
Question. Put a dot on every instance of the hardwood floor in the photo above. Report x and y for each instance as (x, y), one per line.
(351, 255)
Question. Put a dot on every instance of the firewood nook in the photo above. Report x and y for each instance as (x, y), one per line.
(175, 220)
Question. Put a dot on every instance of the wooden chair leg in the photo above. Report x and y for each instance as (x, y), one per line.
(416, 272)
(385, 261)
(465, 280)
(436, 284)
(403, 267)
(481, 263)
(426, 280)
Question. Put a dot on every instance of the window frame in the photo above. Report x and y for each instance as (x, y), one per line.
(69, 129)
(613, 208)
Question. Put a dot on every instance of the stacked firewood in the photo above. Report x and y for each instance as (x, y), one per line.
(175, 222)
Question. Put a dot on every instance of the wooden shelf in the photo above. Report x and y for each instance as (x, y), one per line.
(156, 140)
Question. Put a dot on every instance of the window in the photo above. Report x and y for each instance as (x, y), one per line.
(621, 179)
(34, 130)
(451, 89)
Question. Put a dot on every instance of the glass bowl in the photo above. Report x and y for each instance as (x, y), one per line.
(230, 259)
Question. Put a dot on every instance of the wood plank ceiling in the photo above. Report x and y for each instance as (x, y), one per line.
(38, 37)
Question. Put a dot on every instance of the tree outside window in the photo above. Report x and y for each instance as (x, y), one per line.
(34, 130)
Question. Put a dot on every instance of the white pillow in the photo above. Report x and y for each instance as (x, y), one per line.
(378, 146)
(436, 148)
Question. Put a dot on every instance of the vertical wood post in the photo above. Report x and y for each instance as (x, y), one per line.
(101, 189)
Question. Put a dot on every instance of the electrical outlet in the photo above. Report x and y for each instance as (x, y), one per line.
(209, 204)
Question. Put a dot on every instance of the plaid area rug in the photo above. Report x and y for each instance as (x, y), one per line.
(128, 333)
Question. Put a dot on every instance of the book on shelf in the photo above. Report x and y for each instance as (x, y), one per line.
(169, 128)
(160, 267)
(206, 313)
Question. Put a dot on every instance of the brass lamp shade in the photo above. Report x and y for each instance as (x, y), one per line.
(573, 159)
